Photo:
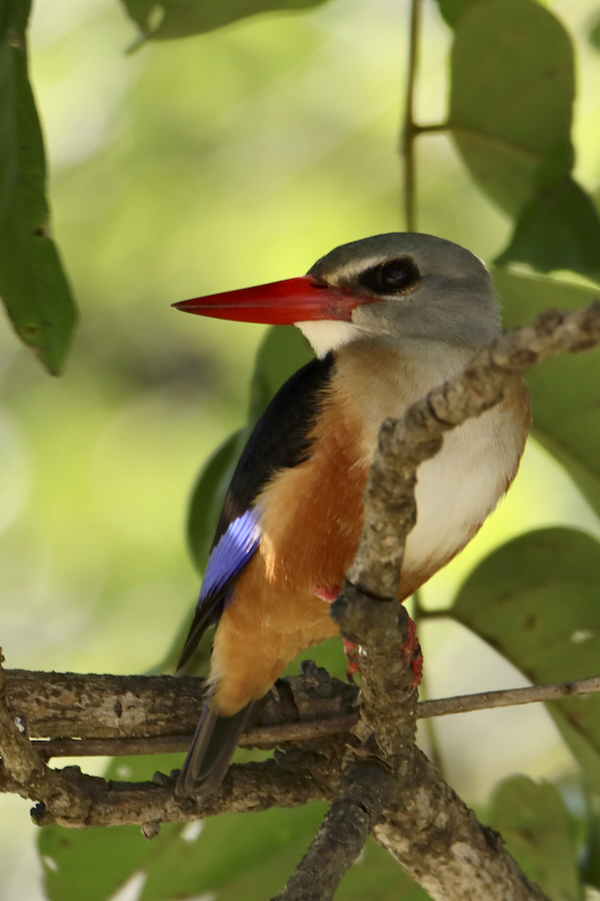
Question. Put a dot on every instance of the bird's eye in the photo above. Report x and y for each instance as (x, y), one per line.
(397, 276)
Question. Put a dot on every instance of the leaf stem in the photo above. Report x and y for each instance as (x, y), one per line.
(410, 129)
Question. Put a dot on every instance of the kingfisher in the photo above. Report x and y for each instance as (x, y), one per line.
(389, 318)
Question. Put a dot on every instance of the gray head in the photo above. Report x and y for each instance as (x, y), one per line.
(425, 288)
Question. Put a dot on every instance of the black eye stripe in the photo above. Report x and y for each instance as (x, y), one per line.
(392, 277)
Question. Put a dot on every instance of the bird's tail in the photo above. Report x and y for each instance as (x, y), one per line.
(211, 750)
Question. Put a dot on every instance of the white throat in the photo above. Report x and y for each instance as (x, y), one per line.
(326, 335)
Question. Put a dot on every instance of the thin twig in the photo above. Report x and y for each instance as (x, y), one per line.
(432, 128)
(510, 697)
(282, 733)
(258, 737)
(409, 130)
(406, 443)
(479, 135)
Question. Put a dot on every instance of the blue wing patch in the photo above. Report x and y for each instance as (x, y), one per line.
(235, 548)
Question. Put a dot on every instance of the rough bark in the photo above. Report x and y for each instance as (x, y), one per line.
(376, 776)
(300, 709)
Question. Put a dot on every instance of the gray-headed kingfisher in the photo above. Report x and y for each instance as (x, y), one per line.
(389, 318)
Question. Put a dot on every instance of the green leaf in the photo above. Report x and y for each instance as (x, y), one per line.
(536, 601)
(565, 390)
(511, 97)
(33, 285)
(248, 856)
(208, 496)
(377, 877)
(557, 229)
(540, 834)
(92, 863)
(181, 18)
(283, 351)
(590, 865)
(452, 10)
(524, 297)
(594, 32)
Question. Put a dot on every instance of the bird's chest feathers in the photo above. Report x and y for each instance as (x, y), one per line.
(311, 516)
(462, 484)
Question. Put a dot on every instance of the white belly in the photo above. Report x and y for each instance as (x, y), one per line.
(463, 483)
(460, 486)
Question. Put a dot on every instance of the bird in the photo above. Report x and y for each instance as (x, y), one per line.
(389, 317)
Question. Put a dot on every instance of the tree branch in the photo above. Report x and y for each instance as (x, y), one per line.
(173, 734)
(285, 782)
(434, 748)
(414, 813)
(410, 809)
(336, 846)
(405, 443)
(112, 715)
(35, 698)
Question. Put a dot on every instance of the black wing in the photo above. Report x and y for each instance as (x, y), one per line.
(280, 440)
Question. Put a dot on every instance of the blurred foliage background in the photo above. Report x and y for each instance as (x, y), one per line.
(191, 167)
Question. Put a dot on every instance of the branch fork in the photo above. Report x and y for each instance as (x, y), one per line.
(377, 781)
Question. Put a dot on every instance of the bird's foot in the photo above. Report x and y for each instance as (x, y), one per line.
(413, 655)
(352, 655)
(411, 652)
(327, 592)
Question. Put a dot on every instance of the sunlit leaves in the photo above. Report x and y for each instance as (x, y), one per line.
(558, 229)
(33, 285)
(511, 96)
(208, 496)
(248, 856)
(181, 18)
(540, 834)
(536, 601)
(594, 32)
(511, 116)
(452, 10)
(283, 351)
(565, 390)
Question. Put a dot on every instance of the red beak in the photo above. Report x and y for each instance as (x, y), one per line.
(279, 303)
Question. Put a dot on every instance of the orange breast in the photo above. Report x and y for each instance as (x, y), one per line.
(311, 520)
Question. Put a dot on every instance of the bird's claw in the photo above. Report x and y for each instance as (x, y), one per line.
(352, 654)
(413, 655)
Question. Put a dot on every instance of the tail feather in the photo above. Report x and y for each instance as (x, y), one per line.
(211, 751)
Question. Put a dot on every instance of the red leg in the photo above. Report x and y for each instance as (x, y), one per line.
(352, 655)
(327, 592)
(411, 650)
(413, 655)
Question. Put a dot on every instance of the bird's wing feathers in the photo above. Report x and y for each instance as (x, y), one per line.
(211, 750)
(281, 439)
(235, 548)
